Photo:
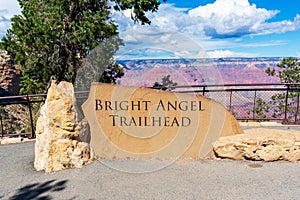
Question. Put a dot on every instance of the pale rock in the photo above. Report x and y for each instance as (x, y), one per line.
(57, 144)
(260, 144)
(269, 124)
(7, 140)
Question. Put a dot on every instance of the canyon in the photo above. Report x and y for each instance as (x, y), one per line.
(145, 73)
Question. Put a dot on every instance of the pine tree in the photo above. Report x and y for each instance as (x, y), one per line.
(53, 37)
(290, 70)
(286, 103)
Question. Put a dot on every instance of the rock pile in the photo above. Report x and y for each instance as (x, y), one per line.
(57, 144)
(260, 144)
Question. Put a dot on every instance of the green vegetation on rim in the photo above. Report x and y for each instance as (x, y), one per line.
(165, 84)
(289, 73)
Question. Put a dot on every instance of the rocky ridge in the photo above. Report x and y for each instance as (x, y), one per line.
(10, 75)
(199, 71)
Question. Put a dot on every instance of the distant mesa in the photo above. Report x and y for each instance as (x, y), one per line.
(144, 73)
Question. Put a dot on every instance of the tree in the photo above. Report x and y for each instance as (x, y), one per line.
(289, 73)
(165, 84)
(260, 110)
(53, 37)
(290, 70)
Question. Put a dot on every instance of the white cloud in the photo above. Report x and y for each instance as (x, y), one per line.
(265, 44)
(11, 7)
(146, 53)
(7, 10)
(130, 39)
(236, 18)
(209, 45)
(219, 20)
(172, 44)
(168, 17)
(4, 22)
(279, 27)
(190, 54)
(228, 53)
(231, 18)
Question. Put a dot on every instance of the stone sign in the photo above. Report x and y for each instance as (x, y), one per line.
(131, 122)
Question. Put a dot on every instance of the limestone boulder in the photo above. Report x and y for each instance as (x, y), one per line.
(260, 144)
(57, 143)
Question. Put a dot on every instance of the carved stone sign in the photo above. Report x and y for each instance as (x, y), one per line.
(131, 122)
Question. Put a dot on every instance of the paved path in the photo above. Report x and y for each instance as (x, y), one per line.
(184, 179)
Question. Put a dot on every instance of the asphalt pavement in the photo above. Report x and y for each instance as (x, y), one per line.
(181, 179)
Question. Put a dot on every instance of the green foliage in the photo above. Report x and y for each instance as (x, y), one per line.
(139, 7)
(260, 110)
(112, 73)
(53, 37)
(165, 84)
(278, 100)
(235, 114)
(290, 72)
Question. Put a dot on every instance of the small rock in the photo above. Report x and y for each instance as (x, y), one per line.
(11, 140)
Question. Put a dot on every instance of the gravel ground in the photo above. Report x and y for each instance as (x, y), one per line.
(184, 179)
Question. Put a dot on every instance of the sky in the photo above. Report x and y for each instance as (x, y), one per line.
(204, 28)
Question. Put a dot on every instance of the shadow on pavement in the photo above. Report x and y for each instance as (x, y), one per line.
(39, 191)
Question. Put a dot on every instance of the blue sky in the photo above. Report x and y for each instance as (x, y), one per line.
(205, 28)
